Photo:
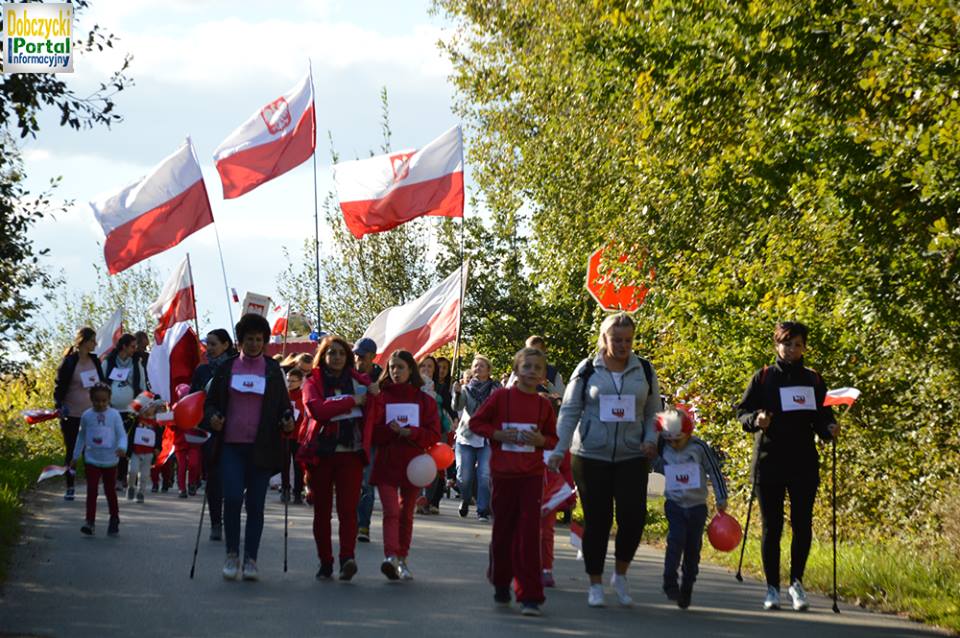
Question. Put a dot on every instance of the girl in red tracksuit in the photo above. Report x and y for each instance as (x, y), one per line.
(295, 390)
(404, 422)
(520, 424)
(335, 447)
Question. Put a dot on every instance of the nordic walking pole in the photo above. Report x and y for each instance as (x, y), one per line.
(746, 528)
(196, 545)
(286, 498)
(833, 443)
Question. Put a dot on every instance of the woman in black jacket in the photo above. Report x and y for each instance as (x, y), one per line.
(783, 408)
(248, 405)
(78, 372)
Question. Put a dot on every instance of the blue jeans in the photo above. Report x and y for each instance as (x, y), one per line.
(243, 484)
(365, 507)
(469, 457)
(684, 538)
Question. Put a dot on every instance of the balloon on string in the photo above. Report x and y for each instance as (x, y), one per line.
(421, 470)
(442, 455)
(724, 532)
(182, 390)
(188, 411)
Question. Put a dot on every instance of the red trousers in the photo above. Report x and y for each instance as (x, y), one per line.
(515, 544)
(548, 524)
(188, 458)
(343, 470)
(109, 476)
(397, 504)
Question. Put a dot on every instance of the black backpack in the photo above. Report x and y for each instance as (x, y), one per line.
(588, 369)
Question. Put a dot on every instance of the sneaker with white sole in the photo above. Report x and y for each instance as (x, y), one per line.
(799, 596)
(250, 571)
(390, 567)
(595, 596)
(622, 589)
(772, 601)
(405, 573)
(231, 567)
(530, 609)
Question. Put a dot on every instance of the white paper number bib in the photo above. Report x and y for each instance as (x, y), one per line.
(406, 415)
(797, 397)
(89, 378)
(617, 409)
(145, 437)
(249, 383)
(119, 374)
(518, 447)
(682, 476)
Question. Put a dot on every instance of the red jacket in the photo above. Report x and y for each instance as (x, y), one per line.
(300, 415)
(320, 410)
(513, 406)
(394, 452)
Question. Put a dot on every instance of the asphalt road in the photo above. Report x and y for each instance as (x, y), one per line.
(64, 584)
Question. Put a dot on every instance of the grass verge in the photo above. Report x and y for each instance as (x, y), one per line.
(16, 475)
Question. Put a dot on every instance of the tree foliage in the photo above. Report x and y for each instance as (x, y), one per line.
(775, 160)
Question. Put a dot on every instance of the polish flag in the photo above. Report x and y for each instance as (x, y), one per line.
(173, 360)
(154, 213)
(382, 192)
(176, 302)
(167, 447)
(576, 535)
(109, 333)
(841, 396)
(278, 137)
(424, 324)
(277, 318)
(52, 470)
(556, 492)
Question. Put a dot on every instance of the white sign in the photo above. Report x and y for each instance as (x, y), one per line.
(144, 436)
(257, 304)
(406, 415)
(618, 409)
(797, 397)
(518, 447)
(248, 383)
(89, 378)
(682, 476)
(38, 37)
(119, 374)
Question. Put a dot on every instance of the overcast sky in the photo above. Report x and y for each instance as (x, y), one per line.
(200, 69)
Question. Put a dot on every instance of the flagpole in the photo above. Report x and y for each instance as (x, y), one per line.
(226, 288)
(316, 206)
(196, 320)
(286, 328)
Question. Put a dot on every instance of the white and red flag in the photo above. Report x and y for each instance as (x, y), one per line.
(841, 396)
(278, 137)
(176, 302)
(53, 470)
(155, 212)
(422, 325)
(382, 192)
(109, 333)
(277, 318)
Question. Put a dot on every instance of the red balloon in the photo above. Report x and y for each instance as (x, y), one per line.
(724, 532)
(442, 454)
(182, 390)
(188, 411)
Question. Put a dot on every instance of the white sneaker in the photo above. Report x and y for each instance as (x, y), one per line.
(231, 567)
(595, 596)
(772, 601)
(799, 596)
(622, 589)
(405, 573)
(250, 571)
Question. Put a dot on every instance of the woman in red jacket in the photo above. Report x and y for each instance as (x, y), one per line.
(404, 422)
(335, 447)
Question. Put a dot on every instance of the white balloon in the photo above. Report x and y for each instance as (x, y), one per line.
(422, 470)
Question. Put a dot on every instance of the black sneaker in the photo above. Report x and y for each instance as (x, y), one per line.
(686, 593)
(483, 517)
(114, 527)
(192, 490)
(530, 609)
(298, 499)
(155, 488)
(672, 592)
(216, 532)
(325, 572)
(464, 508)
(183, 493)
(348, 568)
(87, 528)
(501, 595)
(165, 489)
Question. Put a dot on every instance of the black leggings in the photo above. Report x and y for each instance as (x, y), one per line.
(600, 484)
(69, 428)
(803, 492)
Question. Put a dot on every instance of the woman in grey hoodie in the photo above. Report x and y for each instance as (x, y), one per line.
(607, 421)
